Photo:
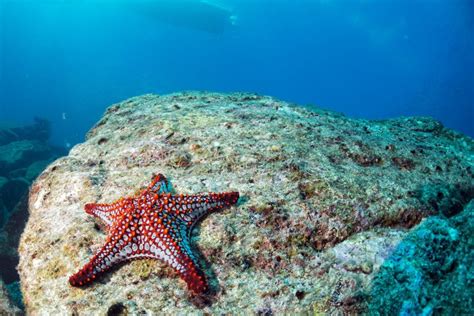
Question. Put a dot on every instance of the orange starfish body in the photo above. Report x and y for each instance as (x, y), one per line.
(156, 225)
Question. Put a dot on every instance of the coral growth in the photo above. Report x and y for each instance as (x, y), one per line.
(431, 271)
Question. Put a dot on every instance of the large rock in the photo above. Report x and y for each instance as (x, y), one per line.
(3, 208)
(431, 271)
(39, 130)
(35, 169)
(7, 135)
(10, 238)
(325, 200)
(12, 191)
(22, 153)
(6, 305)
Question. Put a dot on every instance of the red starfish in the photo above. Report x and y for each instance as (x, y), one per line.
(154, 225)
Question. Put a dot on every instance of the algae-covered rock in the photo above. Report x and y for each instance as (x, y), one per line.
(20, 148)
(39, 130)
(324, 201)
(12, 191)
(6, 305)
(431, 271)
(35, 169)
(20, 153)
(3, 208)
(9, 240)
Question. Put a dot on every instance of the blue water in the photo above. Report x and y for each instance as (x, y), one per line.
(68, 60)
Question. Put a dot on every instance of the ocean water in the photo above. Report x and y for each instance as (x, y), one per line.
(66, 61)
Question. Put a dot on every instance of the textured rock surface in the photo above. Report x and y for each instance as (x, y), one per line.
(20, 150)
(9, 240)
(6, 306)
(39, 130)
(16, 154)
(431, 271)
(325, 200)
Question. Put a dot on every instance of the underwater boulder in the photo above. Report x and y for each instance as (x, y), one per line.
(3, 208)
(431, 271)
(15, 224)
(22, 153)
(3, 214)
(6, 305)
(12, 191)
(17, 173)
(35, 169)
(9, 239)
(40, 130)
(7, 135)
(325, 200)
(3, 182)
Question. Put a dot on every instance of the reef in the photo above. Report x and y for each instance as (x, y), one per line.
(431, 272)
(7, 307)
(327, 205)
(24, 153)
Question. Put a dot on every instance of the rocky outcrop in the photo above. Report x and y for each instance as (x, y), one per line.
(24, 153)
(325, 200)
(6, 306)
(20, 153)
(40, 130)
(431, 272)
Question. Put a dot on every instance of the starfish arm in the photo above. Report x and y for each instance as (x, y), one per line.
(121, 245)
(159, 185)
(109, 255)
(194, 276)
(173, 249)
(107, 213)
(191, 208)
